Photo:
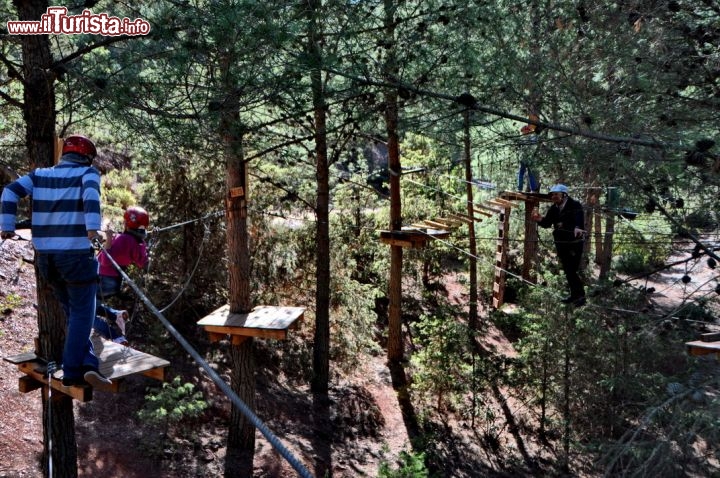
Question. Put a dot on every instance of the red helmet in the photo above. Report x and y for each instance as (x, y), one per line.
(81, 145)
(136, 217)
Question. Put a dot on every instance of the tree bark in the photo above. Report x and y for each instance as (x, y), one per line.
(395, 344)
(472, 244)
(39, 116)
(321, 346)
(241, 433)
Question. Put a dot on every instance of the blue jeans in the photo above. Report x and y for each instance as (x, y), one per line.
(109, 286)
(73, 278)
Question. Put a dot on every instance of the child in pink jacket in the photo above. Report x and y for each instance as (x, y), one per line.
(127, 249)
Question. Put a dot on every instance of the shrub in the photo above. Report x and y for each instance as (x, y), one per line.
(410, 465)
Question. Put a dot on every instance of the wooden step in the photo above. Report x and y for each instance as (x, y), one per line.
(700, 347)
(117, 362)
(265, 322)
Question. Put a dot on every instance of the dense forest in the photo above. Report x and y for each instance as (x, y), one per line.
(340, 119)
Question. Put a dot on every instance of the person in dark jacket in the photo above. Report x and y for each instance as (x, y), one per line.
(567, 218)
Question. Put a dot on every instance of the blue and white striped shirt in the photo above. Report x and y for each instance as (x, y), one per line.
(65, 206)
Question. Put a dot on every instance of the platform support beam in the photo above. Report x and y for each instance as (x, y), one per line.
(501, 258)
(531, 241)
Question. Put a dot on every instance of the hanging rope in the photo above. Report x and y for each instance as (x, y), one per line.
(197, 263)
(229, 392)
(51, 368)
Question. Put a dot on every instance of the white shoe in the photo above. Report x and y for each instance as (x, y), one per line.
(121, 340)
(120, 318)
(96, 379)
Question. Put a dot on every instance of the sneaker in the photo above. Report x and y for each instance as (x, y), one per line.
(96, 379)
(121, 340)
(120, 318)
(579, 302)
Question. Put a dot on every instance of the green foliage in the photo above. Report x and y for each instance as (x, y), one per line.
(441, 365)
(410, 465)
(10, 302)
(642, 245)
(171, 404)
(118, 193)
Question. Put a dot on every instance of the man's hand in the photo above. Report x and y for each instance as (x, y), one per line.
(7, 234)
(579, 232)
(95, 238)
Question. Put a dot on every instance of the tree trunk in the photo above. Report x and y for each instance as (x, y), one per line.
(39, 116)
(241, 433)
(321, 348)
(473, 312)
(395, 343)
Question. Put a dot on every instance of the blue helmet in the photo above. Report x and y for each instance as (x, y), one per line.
(559, 188)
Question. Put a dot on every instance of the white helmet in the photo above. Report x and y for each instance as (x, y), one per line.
(559, 188)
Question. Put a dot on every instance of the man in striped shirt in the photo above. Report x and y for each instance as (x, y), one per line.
(65, 220)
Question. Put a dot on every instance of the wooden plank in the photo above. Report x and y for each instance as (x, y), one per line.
(407, 243)
(37, 371)
(248, 332)
(118, 361)
(268, 322)
(450, 222)
(513, 195)
(486, 210)
(18, 359)
(28, 384)
(434, 224)
(156, 373)
(463, 218)
(438, 233)
(699, 347)
(710, 337)
(215, 337)
(501, 203)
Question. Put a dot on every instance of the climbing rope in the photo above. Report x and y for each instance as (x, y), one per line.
(234, 398)
(51, 368)
(206, 234)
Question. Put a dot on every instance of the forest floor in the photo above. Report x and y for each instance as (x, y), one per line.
(362, 426)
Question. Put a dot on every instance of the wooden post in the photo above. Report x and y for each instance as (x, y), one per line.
(606, 259)
(501, 258)
(531, 241)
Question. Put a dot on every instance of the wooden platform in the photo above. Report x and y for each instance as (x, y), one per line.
(413, 237)
(708, 344)
(116, 363)
(266, 322)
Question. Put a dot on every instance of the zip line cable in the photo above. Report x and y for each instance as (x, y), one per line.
(229, 392)
(184, 223)
(555, 294)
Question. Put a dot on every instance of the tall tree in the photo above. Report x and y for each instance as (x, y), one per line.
(38, 79)
(321, 344)
(395, 348)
